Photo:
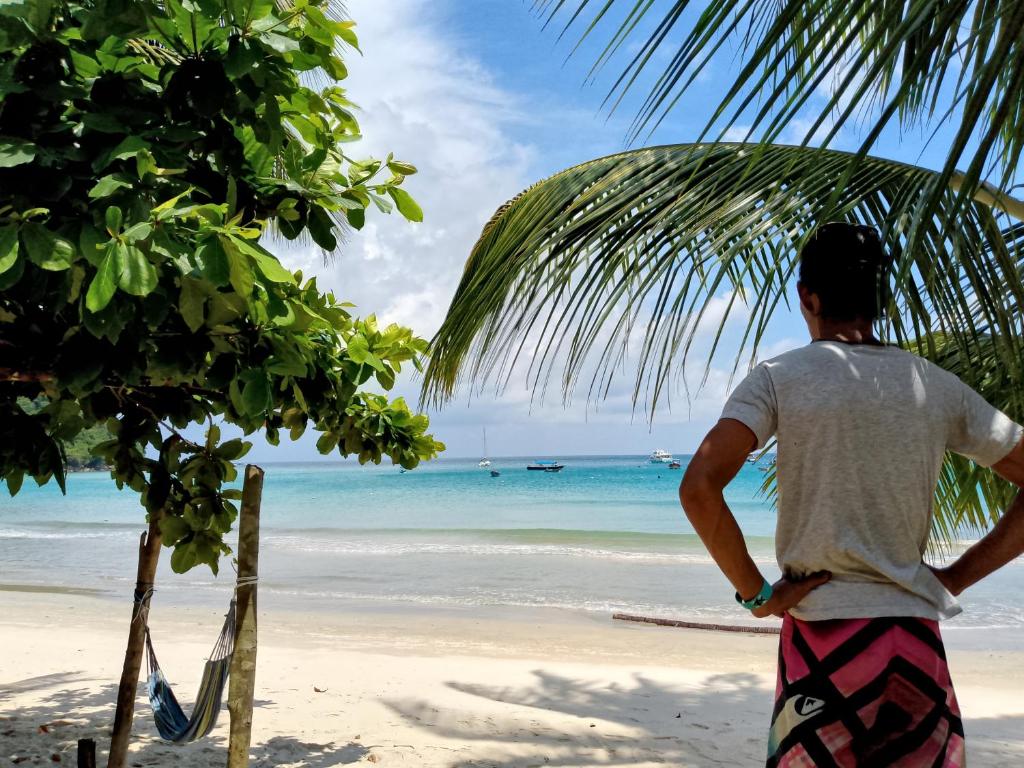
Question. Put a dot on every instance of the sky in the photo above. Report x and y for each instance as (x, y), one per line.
(485, 101)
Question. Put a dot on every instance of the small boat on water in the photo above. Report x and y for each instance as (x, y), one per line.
(545, 466)
(752, 458)
(484, 462)
(660, 456)
(674, 464)
(495, 473)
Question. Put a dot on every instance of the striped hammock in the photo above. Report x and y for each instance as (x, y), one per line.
(171, 721)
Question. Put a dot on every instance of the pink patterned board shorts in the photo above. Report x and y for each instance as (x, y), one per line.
(864, 693)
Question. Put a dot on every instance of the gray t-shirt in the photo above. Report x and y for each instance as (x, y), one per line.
(861, 433)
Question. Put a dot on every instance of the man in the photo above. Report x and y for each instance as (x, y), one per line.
(861, 429)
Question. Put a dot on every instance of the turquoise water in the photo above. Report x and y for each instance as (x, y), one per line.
(605, 534)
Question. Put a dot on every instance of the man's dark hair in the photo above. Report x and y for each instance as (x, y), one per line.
(846, 265)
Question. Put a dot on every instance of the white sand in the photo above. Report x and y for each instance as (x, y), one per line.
(456, 690)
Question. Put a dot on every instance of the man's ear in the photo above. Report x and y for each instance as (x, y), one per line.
(810, 301)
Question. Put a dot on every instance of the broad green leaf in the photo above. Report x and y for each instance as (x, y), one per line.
(384, 206)
(104, 283)
(212, 437)
(406, 205)
(137, 232)
(191, 302)
(36, 13)
(173, 529)
(356, 218)
(255, 392)
(343, 29)
(240, 271)
(321, 228)
(8, 247)
(168, 206)
(268, 265)
(358, 349)
(129, 147)
(113, 218)
(183, 558)
(14, 153)
(47, 249)
(213, 262)
(280, 43)
(108, 185)
(327, 442)
(92, 243)
(400, 168)
(12, 275)
(138, 277)
(386, 378)
(14, 480)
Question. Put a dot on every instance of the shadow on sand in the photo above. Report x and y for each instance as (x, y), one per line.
(70, 706)
(721, 722)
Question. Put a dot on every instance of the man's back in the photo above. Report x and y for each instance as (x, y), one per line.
(861, 431)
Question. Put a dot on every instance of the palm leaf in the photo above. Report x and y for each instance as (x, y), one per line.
(641, 242)
(635, 248)
(910, 64)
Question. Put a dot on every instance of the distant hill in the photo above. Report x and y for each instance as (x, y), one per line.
(78, 451)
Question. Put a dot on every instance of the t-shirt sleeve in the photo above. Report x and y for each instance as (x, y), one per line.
(980, 431)
(753, 403)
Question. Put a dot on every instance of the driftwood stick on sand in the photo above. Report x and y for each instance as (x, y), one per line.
(754, 630)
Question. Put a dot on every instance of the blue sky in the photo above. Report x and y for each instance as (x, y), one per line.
(484, 102)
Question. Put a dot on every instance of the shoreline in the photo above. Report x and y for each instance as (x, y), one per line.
(449, 689)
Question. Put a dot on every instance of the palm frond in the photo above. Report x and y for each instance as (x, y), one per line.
(883, 61)
(637, 245)
(642, 243)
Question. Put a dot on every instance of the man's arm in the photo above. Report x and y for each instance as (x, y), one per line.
(999, 546)
(718, 459)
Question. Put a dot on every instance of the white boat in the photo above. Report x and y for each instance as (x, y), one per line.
(661, 456)
(484, 462)
(546, 466)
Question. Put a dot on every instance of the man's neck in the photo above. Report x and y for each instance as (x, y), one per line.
(856, 332)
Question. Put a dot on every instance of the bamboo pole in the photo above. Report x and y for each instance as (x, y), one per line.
(149, 555)
(242, 680)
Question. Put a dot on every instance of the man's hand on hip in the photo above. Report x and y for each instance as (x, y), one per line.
(787, 593)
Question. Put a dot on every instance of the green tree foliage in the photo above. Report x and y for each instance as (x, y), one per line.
(78, 451)
(145, 148)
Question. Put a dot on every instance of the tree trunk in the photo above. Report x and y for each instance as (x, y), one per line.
(242, 680)
(149, 555)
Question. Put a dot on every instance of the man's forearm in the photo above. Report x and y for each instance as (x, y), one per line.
(717, 528)
(1002, 544)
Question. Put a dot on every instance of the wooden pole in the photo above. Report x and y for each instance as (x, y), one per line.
(242, 680)
(149, 555)
(86, 753)
(754, 630)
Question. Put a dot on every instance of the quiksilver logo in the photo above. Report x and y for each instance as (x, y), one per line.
(808, 705)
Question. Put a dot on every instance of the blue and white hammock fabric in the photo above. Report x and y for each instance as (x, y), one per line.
(171, 721)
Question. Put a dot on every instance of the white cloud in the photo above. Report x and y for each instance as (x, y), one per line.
(737, 133)
(422, 97)
(433, 106)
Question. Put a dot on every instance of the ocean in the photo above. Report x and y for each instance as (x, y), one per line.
(605, 534)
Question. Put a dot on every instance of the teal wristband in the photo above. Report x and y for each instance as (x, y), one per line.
(757, 600)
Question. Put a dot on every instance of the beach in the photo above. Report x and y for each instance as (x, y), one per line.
(442, 618)
(446, 688)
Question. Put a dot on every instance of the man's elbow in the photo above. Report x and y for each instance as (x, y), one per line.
(697, 494)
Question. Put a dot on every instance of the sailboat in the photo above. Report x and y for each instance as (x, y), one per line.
(484, 462)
